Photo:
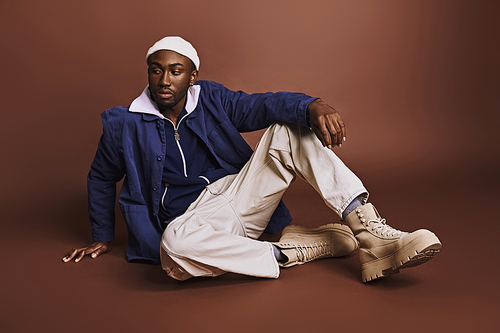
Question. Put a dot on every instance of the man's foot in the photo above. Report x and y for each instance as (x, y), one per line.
(301, 244)
(384, 250)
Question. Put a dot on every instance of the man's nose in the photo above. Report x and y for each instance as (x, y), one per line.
(165, 80)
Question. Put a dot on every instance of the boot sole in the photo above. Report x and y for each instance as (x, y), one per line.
(413, 254)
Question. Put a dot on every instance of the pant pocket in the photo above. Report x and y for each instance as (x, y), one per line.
(221, 185)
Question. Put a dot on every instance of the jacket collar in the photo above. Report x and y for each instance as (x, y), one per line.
(144, 103)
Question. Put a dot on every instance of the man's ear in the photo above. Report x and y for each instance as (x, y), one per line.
(194, 76)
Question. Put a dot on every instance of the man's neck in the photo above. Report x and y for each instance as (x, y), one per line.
(174, 112)
(172, 115)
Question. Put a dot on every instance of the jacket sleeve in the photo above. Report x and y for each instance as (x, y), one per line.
(250, 112)
(106, 171)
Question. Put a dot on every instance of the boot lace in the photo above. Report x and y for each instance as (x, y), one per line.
(382, 228)
(312, 251)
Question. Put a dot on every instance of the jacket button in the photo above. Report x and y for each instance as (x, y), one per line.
(159, 158)
(155, 188)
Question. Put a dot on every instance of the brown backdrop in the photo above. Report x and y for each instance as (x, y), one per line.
(417, 84)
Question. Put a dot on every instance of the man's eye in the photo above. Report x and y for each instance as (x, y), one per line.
(176, 72)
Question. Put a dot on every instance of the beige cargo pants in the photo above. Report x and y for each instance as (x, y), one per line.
(218, 232)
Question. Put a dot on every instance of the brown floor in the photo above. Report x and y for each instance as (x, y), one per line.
(455, 292)
(416, 82)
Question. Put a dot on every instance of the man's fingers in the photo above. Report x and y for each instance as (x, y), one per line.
(80, 255)
(323, 135)
(96, 253)
(337, 129)
(327, 139)
(342, 134)
(74, 251)
(330, 130)
(326, 123)
(99, 249)
(335, 133)
(70, 255)
(338, 133)
(93, 250)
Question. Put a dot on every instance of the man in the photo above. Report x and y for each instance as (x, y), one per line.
(196, 197)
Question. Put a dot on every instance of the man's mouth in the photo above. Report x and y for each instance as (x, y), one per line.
(164, 94)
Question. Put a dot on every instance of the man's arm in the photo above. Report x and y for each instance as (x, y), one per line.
(106, 170)
(326, 123)
(250, 112)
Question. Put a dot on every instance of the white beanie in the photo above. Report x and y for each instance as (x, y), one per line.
(176, 44)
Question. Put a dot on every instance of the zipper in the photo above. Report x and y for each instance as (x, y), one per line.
(163, 196)
(177, 139)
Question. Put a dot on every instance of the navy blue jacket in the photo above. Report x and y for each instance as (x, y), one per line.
(133, 145)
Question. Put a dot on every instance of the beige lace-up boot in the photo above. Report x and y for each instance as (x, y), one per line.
(302, 244)
(384, 250)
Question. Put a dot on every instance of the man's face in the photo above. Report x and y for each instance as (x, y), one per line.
(169, 77)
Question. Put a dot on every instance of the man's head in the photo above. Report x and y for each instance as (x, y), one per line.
(172, 67)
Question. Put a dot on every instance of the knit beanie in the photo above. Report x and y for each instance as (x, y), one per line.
(176, 44)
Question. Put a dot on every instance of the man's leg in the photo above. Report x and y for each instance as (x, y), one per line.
(383, 249)
(218, 232)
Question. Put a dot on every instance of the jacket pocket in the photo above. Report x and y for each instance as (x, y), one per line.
(143, 237)
(229, 145)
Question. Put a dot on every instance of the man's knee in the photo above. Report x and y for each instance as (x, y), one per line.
(280, 128)
(174, 241)
(285, 135)
(182, 238)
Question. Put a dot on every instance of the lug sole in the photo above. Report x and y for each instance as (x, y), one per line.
(415, 253)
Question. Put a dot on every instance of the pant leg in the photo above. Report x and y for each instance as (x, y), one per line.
(299, 150)
(218, 232)
(210, 239)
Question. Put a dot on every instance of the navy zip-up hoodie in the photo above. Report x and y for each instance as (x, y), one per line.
(133, 145)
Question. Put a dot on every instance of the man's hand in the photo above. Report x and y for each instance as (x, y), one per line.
(326, 123)
(94, 249)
